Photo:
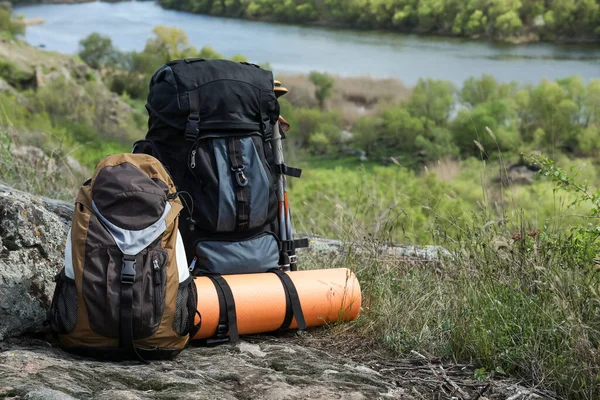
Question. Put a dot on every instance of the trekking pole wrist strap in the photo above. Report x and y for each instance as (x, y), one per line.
(291, 245)
(283, 169)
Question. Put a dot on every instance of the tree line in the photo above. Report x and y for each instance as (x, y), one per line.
(497, 19)
(480, 119)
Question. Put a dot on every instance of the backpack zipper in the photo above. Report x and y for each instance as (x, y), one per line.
(193, 159)
(156, 267)
(157, 282)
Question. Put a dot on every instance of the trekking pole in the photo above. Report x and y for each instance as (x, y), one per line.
(287, 259)
(284, 127)
(288, 253)
(284, 260)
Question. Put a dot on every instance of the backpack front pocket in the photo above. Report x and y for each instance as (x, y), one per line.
(256, 253)
(235, 191)
(102, 290)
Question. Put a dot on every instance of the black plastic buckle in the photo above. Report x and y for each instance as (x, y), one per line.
(281, 169)
(240, 176)
(287, 245)
(128, 271)
(222, 330)
(216, 341)
(192, 128)
(220, 336)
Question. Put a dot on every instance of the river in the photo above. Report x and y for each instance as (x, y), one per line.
(291, 49)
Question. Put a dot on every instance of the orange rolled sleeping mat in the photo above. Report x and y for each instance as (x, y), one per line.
(262, 304)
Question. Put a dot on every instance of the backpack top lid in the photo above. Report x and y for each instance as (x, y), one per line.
(130, 194)
(226, 95)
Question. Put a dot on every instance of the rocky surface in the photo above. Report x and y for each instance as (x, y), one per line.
(32, 236)
(406, 253)
(246, 371)
(259, 367)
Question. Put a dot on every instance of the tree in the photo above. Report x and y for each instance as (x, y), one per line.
(12, 27)
(209, 53)
(170, 43)
(97, 51)
(324, 84)
(480, 90)
(432, 99)
(470, 126)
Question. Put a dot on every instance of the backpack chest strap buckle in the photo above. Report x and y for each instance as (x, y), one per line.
(192, 128)
(128, 270)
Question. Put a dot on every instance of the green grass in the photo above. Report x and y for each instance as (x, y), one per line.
(336, 193)
(520, 293)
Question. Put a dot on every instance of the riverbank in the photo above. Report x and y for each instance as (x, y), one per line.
(506, 22)
(533, 28)
(525, 38)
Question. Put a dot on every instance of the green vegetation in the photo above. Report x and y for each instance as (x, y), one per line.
(518, 294)
(57, 119)
(498, 19)
(324, 84)
(129, 72)
(437, 121)
(10, 28)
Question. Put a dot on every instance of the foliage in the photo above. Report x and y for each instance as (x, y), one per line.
(324, 84)
(517, 291)
(493, 117)
(170, 44)
(97, 51)
(10, 27)
(499, 19)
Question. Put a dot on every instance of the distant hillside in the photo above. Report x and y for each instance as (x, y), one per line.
(57, 119)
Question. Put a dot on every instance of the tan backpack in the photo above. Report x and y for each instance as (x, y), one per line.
(125, 289)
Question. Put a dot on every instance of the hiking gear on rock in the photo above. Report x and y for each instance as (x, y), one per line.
(125, 289)
(261, 303)
(211, 123)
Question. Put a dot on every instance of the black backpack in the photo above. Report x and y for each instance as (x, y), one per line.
(211, 124)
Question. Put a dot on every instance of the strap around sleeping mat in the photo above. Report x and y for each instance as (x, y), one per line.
(293, 305)
(227, 313)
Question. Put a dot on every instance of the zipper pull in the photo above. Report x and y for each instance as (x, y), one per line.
(193, 264)
(156, 267)
(193, 159)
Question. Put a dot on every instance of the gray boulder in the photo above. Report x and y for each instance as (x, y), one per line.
(32, 238)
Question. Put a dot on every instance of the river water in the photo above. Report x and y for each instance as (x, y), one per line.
(302, 49)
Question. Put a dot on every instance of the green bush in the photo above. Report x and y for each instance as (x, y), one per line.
(552, 116)
(324, 84)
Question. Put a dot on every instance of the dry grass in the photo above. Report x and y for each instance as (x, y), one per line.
(444, 170)
(353, 97)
